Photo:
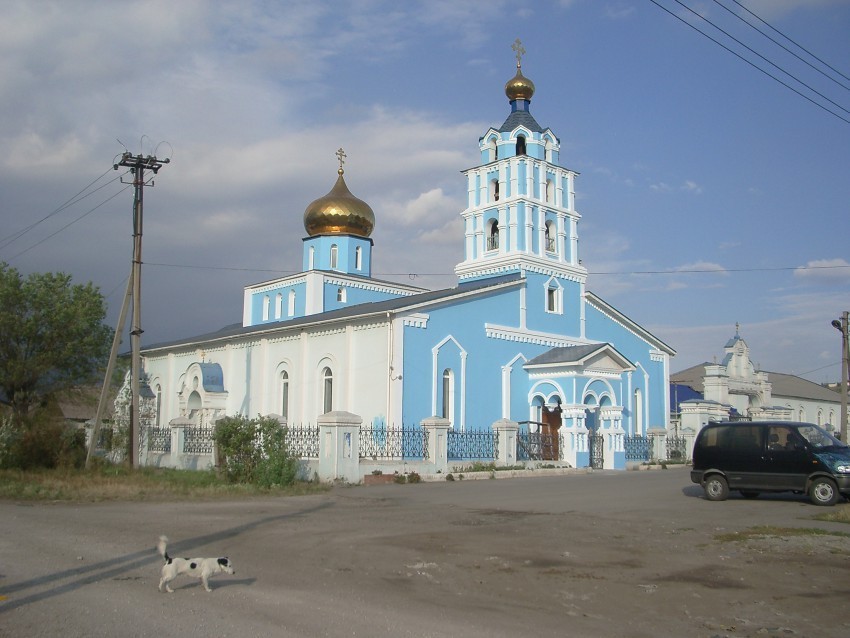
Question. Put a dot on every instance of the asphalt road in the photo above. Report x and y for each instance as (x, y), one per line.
(602, 554)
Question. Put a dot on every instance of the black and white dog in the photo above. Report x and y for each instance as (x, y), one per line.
(201, 568)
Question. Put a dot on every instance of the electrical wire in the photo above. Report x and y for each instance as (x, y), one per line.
(71, 223)
(752, 64)
(70, 202)
(799, 46)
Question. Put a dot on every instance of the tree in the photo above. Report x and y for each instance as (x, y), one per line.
(52, 337)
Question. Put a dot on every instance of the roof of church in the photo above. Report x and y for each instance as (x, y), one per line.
(521, 118)
(782, 385)
(350, 312)
(566, 354)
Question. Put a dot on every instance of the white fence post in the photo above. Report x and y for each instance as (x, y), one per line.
(339, 447)
(507, 433)
(438, 442)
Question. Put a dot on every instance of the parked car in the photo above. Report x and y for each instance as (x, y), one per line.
(771, 456)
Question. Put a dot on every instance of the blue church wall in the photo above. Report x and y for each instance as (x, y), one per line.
(346, 254)
(352, 295)
(568, 322)
(521, 180)
(278, 312)
(508, 185)
(602, 328)
(536, 182)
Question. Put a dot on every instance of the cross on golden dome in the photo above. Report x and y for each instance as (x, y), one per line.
(519, 50)
(340, 154)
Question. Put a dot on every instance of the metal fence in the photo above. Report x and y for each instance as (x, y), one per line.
(302, 442)
(536, 446)
(382, 443)
(472, 446)
(677, 448)
(638, 448)
(159, 439)
(197, 440)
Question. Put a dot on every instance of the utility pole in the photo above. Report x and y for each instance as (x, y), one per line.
(137, 165)
(842, 326)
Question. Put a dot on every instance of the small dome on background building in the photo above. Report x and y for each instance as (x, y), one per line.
(339, 212)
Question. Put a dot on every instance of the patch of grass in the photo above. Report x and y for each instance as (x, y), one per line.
(765, 531)
(835, 515)
(121, 483)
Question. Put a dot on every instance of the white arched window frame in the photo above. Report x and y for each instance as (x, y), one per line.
(327, 390)
(358, 258)
(334, 255)
(637, 410)
(284, 394)
(267, 302)
(549, 237)
(493, 190)
(311, 258)
(340, 294)
(290, 309)
(554, 297)
(278, 305)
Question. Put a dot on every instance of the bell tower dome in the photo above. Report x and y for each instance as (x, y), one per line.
(520, 214)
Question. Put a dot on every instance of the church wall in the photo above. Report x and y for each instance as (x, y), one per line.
(650, 363)
(568, 321)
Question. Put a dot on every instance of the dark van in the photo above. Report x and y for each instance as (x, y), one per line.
(770, 456)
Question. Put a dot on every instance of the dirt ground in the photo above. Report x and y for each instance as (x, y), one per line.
(602, 554)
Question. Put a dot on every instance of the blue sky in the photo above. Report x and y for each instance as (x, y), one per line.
(689, 158)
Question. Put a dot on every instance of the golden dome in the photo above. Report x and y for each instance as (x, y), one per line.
(519, 87)
(339, 213)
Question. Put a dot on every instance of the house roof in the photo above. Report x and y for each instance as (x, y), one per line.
(783, 385)
(397, 304)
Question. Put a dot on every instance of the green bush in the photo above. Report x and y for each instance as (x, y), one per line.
(38, 441)
(254, 451)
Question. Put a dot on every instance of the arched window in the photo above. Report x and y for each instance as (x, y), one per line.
(448, 395)
(284, 394)
(327, 390)
(520, 145)
(548, 150)
(267, 302)
(550, 191)
(158, 404)
(358, 258)
(554, 294)
(193, 405)
(334, 255)
(493, 235)
(278, 306)
(494, 190)
(340, 294)
(311, 258)
(291, 305)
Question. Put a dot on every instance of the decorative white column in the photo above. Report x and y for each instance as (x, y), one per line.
(507, 433)
(438, 444)
(339, 447)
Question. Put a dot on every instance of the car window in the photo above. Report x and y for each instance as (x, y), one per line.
(746, 439)
(781, 438)
(817, 437)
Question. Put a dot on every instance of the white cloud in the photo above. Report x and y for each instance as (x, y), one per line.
(619, 11)
(824, 271)
(692, 187)
(702, 267)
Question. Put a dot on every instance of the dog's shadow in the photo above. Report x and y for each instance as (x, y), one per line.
(218, 584)
(63, 581)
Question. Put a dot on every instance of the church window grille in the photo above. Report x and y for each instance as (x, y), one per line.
(549, 238)
(266, 305)
(284, 394)
(493, 235)
(334, 255)
(520, 145)
(327, 390)
(291, 305)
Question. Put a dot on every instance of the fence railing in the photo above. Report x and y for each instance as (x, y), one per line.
(472, 446)
(303, 441)
(197, 440)
(382, 443)
(638, 448)
(159, 439)
(536, 446)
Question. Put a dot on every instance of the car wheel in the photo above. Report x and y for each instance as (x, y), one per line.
(823, 491)
(749, 494)
(716, 488)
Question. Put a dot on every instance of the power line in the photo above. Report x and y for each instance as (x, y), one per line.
(68, 203)
(752, 64)
(71, 223)
(779, 44)
(799, 46)
(754, 52)
(589, 272)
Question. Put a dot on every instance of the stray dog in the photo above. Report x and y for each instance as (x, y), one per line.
(201, 568)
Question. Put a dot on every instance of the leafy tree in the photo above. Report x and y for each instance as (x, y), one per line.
(52, 337)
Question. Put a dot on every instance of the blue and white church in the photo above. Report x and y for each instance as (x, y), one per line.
(519, 338)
